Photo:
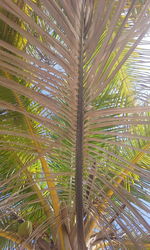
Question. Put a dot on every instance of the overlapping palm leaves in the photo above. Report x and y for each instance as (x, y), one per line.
(74, 138)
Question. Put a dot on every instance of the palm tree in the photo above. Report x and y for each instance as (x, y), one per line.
(74, 125)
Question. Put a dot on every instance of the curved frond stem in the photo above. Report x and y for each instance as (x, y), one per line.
(46, 170)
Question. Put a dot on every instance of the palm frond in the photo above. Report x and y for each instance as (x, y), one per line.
(74, 128)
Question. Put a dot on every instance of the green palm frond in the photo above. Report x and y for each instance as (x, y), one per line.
(74, 123)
